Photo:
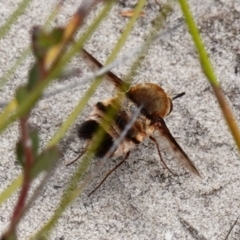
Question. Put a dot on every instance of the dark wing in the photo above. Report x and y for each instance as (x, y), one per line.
(175, 148)
(94, 63)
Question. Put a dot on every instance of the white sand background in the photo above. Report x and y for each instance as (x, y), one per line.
(140, 200)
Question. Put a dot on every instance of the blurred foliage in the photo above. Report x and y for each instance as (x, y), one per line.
(53, 49)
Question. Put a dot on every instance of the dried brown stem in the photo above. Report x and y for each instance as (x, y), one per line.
(232, 123)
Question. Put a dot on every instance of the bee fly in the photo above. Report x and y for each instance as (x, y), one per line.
(155, 105)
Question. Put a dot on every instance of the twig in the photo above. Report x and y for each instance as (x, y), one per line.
(230, 230)
(193, 231)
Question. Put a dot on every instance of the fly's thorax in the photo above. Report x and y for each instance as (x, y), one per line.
(153, 99)
(164, 110)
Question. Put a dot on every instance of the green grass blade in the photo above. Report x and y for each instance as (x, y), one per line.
(9, 114)
(14, 67)
(27, 50)
(19, 11)
(209, 72)
(72, 192)
(15, 184)
(75, 49)
(203, 56)
(65, 126)
(160, 19)
(126, 31)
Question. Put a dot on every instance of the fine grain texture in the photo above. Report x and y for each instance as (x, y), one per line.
(141, 199)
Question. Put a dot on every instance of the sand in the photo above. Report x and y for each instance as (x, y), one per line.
(141, 199)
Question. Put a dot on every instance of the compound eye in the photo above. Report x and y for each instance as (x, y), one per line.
(170, 106)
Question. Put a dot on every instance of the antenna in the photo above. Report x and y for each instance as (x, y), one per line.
(178, 95)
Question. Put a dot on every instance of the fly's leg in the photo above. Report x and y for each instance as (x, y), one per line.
(112, 170)
(160, 155)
